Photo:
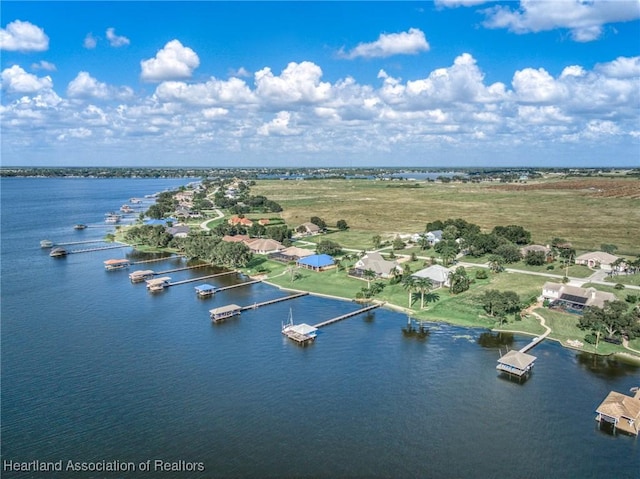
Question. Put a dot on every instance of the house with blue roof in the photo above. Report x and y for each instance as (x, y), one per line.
(316, 262)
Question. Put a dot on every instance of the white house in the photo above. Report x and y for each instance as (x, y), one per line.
(597, 259)
(375, 262)
(439, 275)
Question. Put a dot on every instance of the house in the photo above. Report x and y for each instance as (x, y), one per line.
(308, 229)
(376, 263)
(597, 259)
(434, 237)
(621, 411)
(236, 220)
(292, 253)
(180, 231)
(535, 248)
(264, 245)
(574, 298)
(439, 275)
(316, 262)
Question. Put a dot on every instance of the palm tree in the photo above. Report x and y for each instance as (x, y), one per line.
(338, 264)
(423, 285)
(409, 283)
(495, 263)
(369, 274)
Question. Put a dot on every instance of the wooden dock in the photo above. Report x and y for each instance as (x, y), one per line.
(345, 316)
(68, 243)
(193, 280)
(155, 260)
(101, 248)
(273, 301)
(184, 268)
(246, 283)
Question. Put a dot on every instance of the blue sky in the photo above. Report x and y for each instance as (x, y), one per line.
(445, 83)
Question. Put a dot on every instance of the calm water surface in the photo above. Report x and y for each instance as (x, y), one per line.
(97, 369)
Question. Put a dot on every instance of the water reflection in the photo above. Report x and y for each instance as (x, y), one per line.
(495, 340)
(606, 366)
(416, 330)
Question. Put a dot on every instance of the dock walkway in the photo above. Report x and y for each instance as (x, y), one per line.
(345, 316)
(273, 301)
(538, 339)
(246, 283)
(100, 248)
(155, 260)
(193, 280)
(69, 243)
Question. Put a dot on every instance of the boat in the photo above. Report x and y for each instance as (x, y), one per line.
(46, 244)
(58, 252)
(300, 333)
(126, 209)
(135, 201)
(80, 226)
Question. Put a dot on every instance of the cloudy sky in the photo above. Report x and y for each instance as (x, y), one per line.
(443, 83)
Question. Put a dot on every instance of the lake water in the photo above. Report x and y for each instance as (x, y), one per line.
(95, 369)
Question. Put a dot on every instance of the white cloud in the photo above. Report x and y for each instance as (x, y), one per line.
(213, 92)
(90, 41)
(621, 67)
(388, 44)
(43, 65)
(298, 83)
(24, 37)
(85, 86)
(537, 86)
(16, 80)
(173, 62)
(585, 19)
(116, 40)
(279, 126)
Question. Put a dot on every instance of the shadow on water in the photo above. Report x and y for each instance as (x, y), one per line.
(495, 340)
(607, 366)
(416, 330)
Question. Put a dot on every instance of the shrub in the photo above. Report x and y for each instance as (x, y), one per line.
(550, 267)
(619, 286)
(482, 274)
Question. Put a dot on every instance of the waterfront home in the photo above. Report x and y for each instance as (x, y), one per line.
(622, 412)
(179, 231)
(316, 262)
(574, 299)
(236, 238)
(115, 264)
(292, 253)
(376, 263)
(597, 259)
(439, 275)
(264, 245)
(224, 312)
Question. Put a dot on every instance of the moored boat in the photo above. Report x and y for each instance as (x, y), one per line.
(79, 226)
(46, 244)
(58, 252)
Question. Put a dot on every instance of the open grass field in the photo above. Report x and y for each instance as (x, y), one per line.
(588, 212)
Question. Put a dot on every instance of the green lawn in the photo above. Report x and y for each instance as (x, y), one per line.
(632, 279)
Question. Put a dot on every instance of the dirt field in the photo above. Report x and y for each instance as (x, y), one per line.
(588, 212)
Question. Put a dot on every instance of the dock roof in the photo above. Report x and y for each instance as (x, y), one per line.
(164, 279)
(205, 287)
(225, 309)
(517, 360)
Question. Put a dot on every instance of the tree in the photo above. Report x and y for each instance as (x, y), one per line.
(535, 258)
(514, 233)
(423, 242)
(423, 285)
(377, 241)
(319, 222)
(342, 225)
(448, 250)
(611, 318)
(369, 275)
(398, 243)
(608, 248)
(409, 283)
(329, 247)
(510, 253)
(459, 280)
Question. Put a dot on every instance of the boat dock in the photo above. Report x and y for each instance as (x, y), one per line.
(100, 248)
(273, 301)
(69, 243)
(186, 268)
(155, 260)
(247, 283)
(193, 280)
(345, 316)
